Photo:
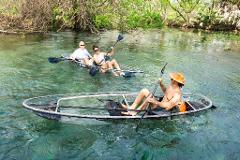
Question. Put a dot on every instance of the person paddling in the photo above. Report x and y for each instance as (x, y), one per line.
(105, 65)
(82, 55)
(172, 97)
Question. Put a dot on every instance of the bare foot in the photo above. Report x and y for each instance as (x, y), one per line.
(115, 74)
(124, 106)
(129, 113)
(119, 73)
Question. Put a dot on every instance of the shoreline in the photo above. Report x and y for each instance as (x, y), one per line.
(24, 32)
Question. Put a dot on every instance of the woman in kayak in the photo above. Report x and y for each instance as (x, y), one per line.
(105, 65)
(172, 96)
(82, 55)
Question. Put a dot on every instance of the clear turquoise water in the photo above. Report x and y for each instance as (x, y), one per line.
(210, 62)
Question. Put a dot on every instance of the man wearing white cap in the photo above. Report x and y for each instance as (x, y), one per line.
(82, 55)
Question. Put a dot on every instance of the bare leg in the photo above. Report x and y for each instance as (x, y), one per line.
(88, 62)
(145, 105)
(116, 65)
(141, 96)
(104, 67)
(111, 66)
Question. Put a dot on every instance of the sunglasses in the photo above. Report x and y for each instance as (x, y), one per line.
(82, 45)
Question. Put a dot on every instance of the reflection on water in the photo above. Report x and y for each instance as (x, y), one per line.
(210, 62)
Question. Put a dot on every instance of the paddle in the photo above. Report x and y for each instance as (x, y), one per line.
(93, 70)
(214, 107)
(154, 91)
(119, 38)
(126, 70)
(57, 59)
(128, 73)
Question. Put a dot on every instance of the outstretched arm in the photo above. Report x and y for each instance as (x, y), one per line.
(110, 53)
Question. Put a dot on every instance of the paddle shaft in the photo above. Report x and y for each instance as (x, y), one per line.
(150, 94)
(154, 91)
(60, 59)
(118, 39)
(132, 71)
(56, 59)
(115, 43)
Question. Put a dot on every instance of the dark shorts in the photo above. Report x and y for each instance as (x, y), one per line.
(161, 111)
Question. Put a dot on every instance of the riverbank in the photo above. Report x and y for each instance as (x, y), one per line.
(26, 16)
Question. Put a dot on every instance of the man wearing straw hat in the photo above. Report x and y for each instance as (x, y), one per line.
(172, 97)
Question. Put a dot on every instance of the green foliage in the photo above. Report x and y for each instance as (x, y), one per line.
(152, 20)
(7, 7)
(121, 14)
(102, 21)
(61, 16)
(133, 20)
(206, 15)
(142, 14)
(14, 10)
(56, 11)
(56, 17)
(146, 20)
(10, 11)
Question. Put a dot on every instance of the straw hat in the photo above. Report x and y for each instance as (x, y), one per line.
(178, 77)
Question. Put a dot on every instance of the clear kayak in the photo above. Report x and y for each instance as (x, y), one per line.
(94, 69)
(96, 106)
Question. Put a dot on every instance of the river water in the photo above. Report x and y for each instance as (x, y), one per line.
(209, 61)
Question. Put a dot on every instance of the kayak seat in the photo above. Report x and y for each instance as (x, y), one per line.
(159, 111)
(50, 106)
(93, 70)
(197, 105)
(114, 108)
(47, 107)
(189, 108)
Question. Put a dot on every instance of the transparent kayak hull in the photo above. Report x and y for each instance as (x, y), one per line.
(93, 106)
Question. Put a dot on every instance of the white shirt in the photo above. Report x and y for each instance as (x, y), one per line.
(80, 54)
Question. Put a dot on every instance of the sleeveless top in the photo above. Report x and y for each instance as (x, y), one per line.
(100, 58)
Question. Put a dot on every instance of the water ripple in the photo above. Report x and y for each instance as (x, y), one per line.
(209, 68)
